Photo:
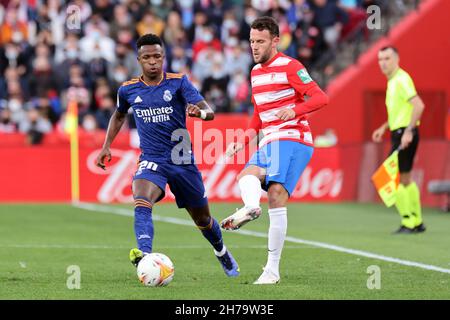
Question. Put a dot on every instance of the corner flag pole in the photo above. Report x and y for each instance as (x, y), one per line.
(72, 130)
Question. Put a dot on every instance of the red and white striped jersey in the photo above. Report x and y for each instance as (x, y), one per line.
(277, 84)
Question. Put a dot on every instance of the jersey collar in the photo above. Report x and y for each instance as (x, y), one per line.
(279, 54)
(141, 78)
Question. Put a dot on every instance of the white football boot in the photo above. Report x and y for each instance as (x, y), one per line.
(267, 277)
(240, 217)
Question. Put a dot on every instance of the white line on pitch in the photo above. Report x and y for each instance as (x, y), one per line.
(130, 213)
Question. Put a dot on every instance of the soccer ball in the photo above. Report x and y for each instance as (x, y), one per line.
(155, 270)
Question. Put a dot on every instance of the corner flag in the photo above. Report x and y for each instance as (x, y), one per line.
(386, 179)
(71, 128)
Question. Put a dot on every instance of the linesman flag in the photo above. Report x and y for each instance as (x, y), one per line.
(386, 179)
(71, 128)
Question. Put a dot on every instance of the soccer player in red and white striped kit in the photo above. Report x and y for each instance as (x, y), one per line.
(279, 86)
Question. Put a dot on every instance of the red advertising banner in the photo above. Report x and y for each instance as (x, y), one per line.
(42, 173)
(322, 179)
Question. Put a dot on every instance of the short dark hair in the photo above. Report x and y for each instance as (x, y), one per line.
(389, 47)
(266, 23)
(148, 40)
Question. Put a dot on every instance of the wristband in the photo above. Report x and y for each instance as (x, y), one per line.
(203, 114)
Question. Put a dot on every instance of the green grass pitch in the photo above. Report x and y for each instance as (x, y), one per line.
(39, 242)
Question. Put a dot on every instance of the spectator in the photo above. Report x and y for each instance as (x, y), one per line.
(197, 28)
(104, 9)
(126, 36)
(179, 60)
(214, 87)
(330, 19)
(124, 57)
(97, 66)
(102, 91)
(96, 24)
(68, 50)
(35, 126)
(203, 66)
(58, 20)
(13, 29)
(238, 90)
(186, 7)
(250, 14)
(47, 109)
(285, 31)
(162, 8)
(230, 26)
(214, 10)
(105, 110)
(78, 92)
(205, 40)
(150, 23)
(237, 57)
(97, 43)
(119, 75)
(42, 79)
(6, 124)
(217, 98)
(89, 123)
(17, 56)
(15, 101)
(12, 75)
(136, 8)
(122, 19)
(173, 29)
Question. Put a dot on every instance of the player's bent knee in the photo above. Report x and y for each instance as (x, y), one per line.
(200, 216)
(254, 171)
(244, 173)
(146, 189)
(277, 196)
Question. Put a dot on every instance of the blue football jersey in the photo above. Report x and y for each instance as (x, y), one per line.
(160, 114)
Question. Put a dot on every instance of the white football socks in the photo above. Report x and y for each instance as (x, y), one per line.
(277, 234)
(250, 191)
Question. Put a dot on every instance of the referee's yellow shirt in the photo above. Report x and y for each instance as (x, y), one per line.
(400, 89)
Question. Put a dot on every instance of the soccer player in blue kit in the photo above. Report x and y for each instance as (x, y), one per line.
(160, 102)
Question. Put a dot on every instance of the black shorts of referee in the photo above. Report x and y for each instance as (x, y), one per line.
(405, 156)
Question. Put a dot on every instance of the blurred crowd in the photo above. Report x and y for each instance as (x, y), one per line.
(52, 51)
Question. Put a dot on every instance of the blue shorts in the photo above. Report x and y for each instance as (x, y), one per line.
(284, 162)
(185, 181)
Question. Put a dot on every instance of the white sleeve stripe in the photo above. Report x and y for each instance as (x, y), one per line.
(270, 78)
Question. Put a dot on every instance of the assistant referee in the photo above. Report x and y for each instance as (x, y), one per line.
(404, 109)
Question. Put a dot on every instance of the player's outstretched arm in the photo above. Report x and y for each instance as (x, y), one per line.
(115, 123)
(200, 110)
